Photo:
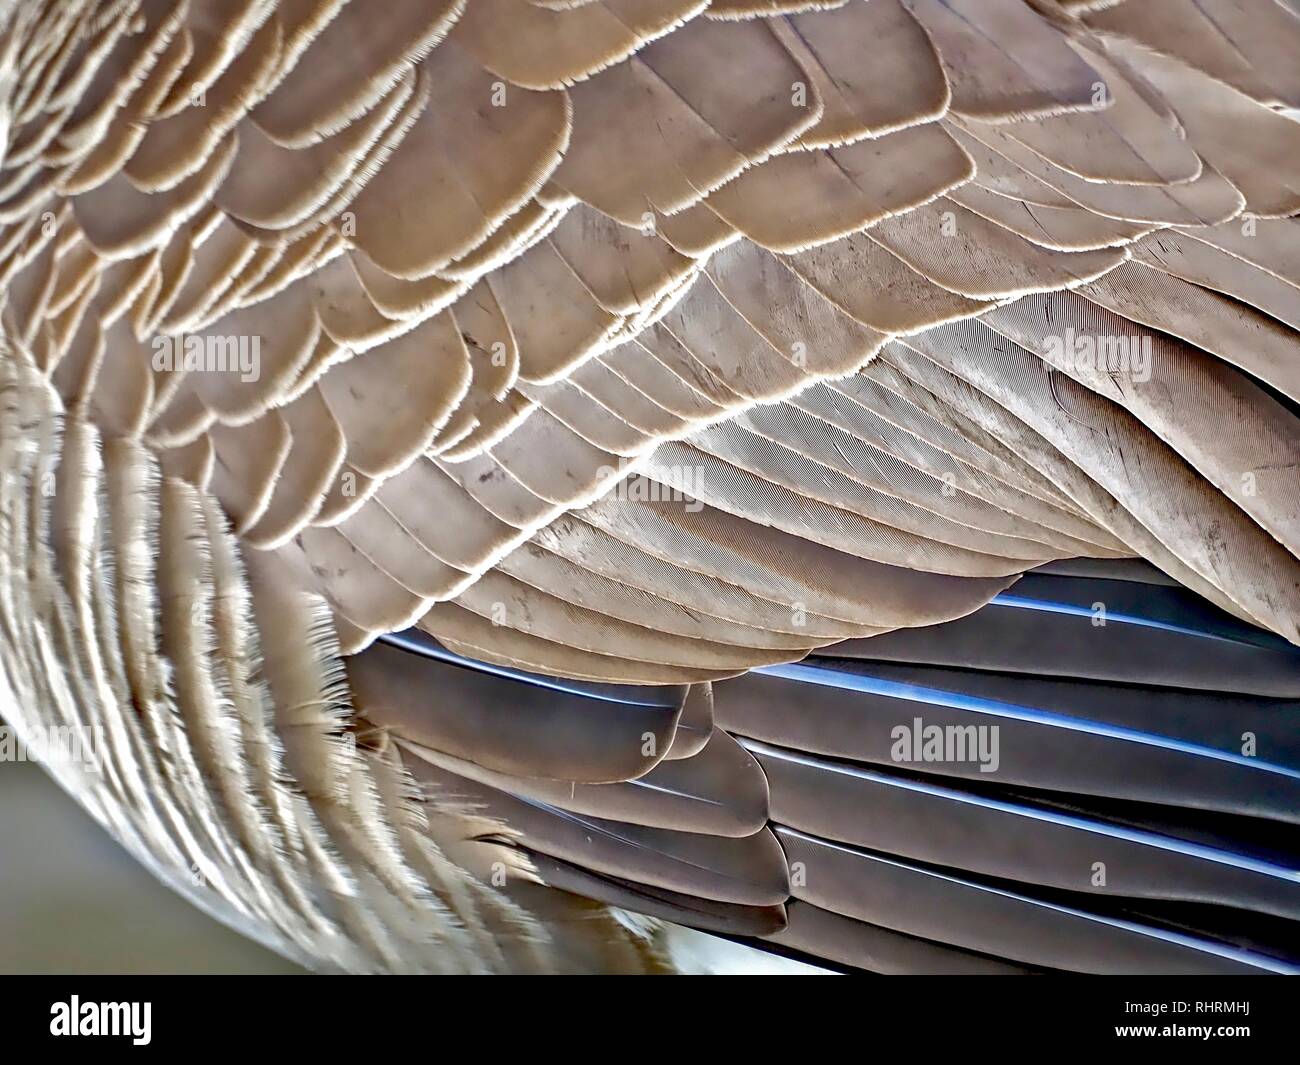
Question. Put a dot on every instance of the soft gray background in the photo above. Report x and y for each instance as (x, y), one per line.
(72, 901)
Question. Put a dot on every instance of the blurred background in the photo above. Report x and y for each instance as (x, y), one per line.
(72, 901)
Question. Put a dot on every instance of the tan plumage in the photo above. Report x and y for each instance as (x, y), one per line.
(634, 345)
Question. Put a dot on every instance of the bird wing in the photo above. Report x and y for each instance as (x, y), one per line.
(557, 362)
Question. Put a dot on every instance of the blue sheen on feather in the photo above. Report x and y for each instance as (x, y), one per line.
(417, 643)
(892, 689)
(1075, 610)
(1221, 950)
(1132, 835)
